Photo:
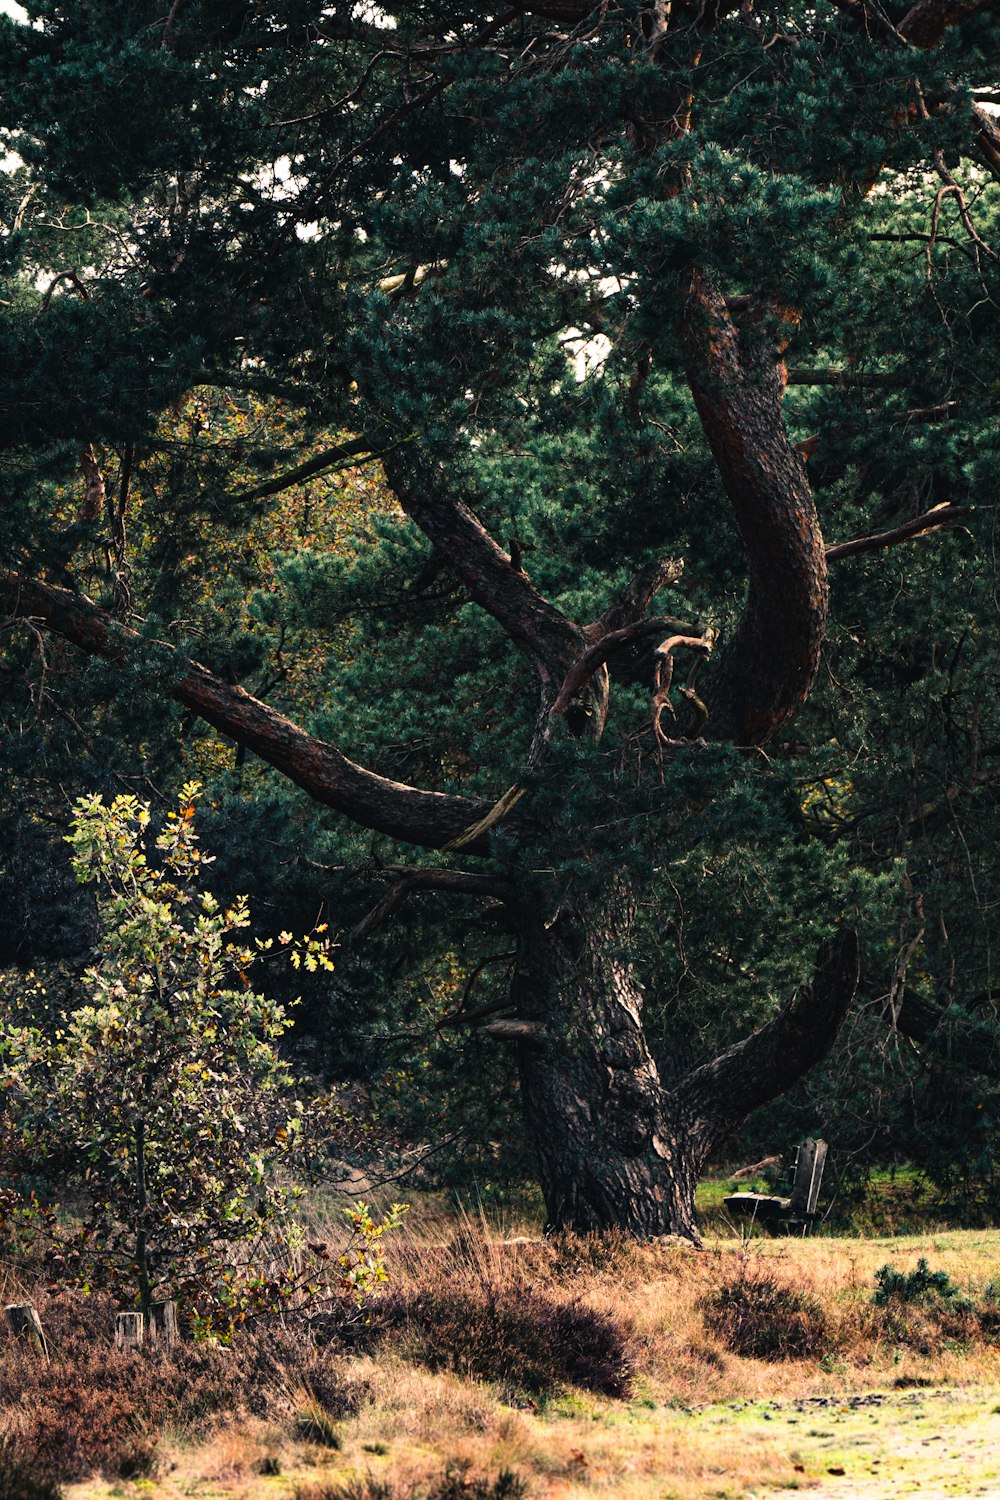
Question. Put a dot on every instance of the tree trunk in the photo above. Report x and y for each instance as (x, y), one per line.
(610, 1145)
(615, 1147)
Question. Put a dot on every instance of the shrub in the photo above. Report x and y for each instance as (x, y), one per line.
(923, 1308)
(757, 1316)
(24, 1478)
(919, 1285)
(520, 1339)
(95, 1407)
(164, 1098)
(456, 1483)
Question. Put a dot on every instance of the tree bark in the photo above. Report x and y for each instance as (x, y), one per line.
(737, 379)
(614, 1145)
(609, 1150)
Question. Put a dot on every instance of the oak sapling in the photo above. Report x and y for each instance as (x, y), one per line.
(164, 1096)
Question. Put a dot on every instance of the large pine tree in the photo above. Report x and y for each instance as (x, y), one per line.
(602, 289)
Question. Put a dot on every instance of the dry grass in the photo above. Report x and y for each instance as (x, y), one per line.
(657, 1292)
(698, 1420)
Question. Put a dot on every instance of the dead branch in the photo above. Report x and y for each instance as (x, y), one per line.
(940, 515)
(950, 189)
(596, 655)
(74, 280)
(758, 1166)
(510, 1030)
(500, 809)
(661, 689)
(463, 882)
(394, 286)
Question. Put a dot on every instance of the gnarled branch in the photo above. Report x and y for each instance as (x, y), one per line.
(404, 812)
(736, 378)
(602, 650)
(716, 1097)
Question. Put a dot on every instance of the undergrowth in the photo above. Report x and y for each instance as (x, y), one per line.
(26, 1479)
(525, 1342)
(758, 1316)
(456, 1483)
(96, 1407)
(475, 1334)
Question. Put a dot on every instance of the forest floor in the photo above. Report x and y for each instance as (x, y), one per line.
(853, 1399)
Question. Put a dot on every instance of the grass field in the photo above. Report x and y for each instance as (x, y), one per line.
(470, 1370)
(927, 1442)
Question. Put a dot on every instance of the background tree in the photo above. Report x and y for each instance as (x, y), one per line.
(419, 229)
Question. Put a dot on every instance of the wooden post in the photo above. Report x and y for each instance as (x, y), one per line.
(809, 1164)
(162, 1326)
(129, 1330)
(24, 1323)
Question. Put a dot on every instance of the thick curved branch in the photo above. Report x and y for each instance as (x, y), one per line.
(493, 579)
(636, 597)
(431, 819)
(736, 378)
(718, 1096)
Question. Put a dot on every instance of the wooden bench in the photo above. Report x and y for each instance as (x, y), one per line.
(795, 1214)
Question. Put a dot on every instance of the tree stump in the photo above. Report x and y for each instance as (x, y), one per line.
(163, 1323)
(129, 1330)
(24, 1323)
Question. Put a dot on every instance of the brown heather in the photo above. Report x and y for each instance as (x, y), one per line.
(552, 1361)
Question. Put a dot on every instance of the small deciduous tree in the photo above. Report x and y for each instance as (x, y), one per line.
(164, 1098)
